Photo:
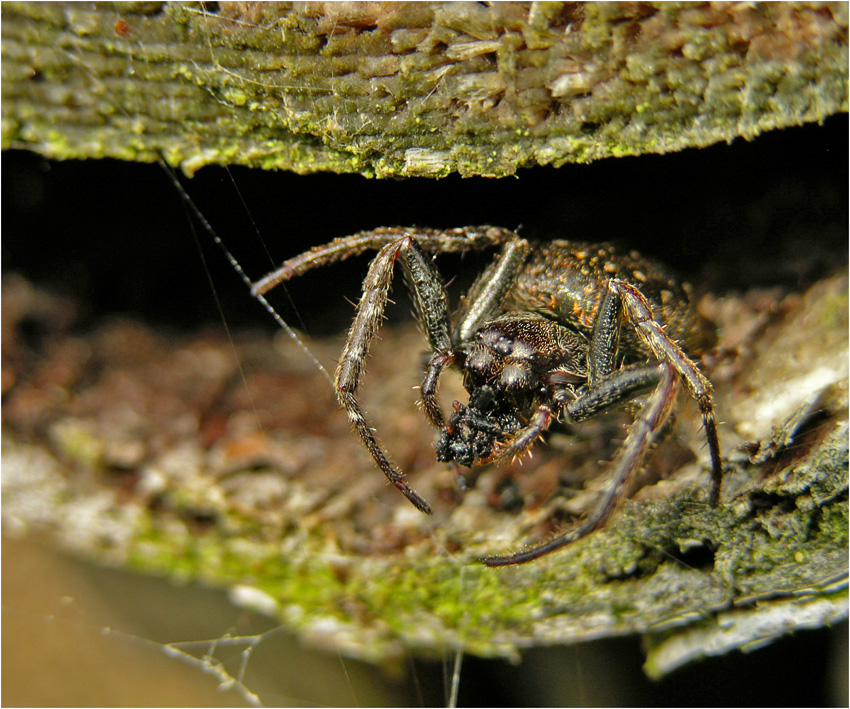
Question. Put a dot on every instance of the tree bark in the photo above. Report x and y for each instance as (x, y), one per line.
(403, 89)
(151, 454)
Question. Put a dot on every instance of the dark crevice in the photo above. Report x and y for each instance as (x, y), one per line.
(698, 556)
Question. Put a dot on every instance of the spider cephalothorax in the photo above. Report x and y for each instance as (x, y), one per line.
(509, 366)
(558, 330)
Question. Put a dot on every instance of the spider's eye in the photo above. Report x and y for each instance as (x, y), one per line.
(503, 346)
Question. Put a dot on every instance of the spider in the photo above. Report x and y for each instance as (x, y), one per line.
(539, 337)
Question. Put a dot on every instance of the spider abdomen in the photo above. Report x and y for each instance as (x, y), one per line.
(565, 280)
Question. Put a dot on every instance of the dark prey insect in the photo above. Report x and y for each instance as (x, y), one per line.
(559, 330)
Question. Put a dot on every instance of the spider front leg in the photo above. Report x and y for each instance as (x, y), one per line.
(620, 386)
(431, 303)
(459, 240)
(484, 300)
(429, 297)
(428, 390)
(606, 394)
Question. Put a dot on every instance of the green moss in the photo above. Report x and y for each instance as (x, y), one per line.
(77, 441)
(625, 574)
(185, 70)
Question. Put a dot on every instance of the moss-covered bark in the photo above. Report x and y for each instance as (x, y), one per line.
(154, 455)
(411, 88)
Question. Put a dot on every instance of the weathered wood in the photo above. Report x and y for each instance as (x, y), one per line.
(146, 453)
(396, 89)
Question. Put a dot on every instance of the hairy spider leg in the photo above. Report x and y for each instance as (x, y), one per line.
(641, 437)
(605, 339)
(429, 300)
(428, 390)
(485, 299)
(457, 240)
(488, 293)
(431, 304)
(638, 313)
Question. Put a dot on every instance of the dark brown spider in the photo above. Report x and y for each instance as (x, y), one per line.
(539, 337)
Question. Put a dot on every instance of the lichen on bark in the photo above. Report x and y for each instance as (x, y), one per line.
(401, 89)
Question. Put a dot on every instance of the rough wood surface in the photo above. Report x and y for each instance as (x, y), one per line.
(154, 454)
(399, 89)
